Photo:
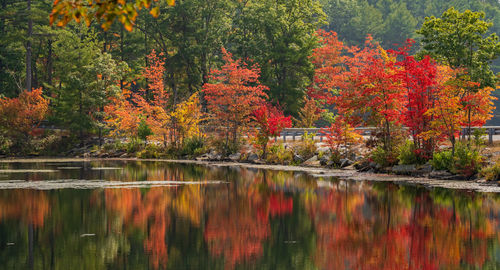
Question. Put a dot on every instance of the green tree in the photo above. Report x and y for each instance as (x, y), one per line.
(279, 36)
(460, 40)
(86, 79)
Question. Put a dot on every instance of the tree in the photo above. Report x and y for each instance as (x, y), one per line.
(86, 79)
(126, 11)
(185, 119)
(340, 135)
(329, 64)
(233, 93)
(270, 121)
(308, 114)
(279, 36)
(454, 102)
(369, 93)
(20, 115)
(419, 78)
(458, 40)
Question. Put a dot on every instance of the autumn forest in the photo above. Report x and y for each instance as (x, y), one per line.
(187, 79)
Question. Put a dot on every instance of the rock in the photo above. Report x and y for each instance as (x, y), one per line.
(404, 169)
(312, 161)
(344, 162)
(298, 158)
(426, 168)
(445, 175)
(252, 157)
(323, 161)
(235, 157)
(204, 157)
(330, 163)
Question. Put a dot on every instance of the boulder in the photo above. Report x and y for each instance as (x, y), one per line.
(298, 158)
(312, 161)
(404, 169)
(252, 157)
(235, 157)
(344, 162)
(444, 175)
(323, 161)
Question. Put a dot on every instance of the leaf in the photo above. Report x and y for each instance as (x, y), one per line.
(155, 12)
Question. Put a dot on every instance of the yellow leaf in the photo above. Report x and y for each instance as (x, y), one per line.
(155, 11)
(170, 2)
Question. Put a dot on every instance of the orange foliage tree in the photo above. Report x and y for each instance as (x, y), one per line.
(457, 106)
(20, 116)
(233, 94)
(151, 104)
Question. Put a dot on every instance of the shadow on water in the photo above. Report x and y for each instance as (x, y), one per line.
(251, 219)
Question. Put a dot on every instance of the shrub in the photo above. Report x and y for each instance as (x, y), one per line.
(223, 145)
(492, 173)
(306, 148)
(408, 154)
(192, 146)
(151, 151)
(465, 162)
(383, 157)
(278, 154)
(133, 146)
(442, 160)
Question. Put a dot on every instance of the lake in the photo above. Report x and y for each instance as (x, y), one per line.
(159, 215)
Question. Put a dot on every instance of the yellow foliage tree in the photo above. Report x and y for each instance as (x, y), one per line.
(185, 119)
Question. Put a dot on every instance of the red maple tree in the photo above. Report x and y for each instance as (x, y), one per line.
(270, 121)
(233, 93)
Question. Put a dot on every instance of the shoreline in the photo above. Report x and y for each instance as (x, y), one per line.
(317, 172)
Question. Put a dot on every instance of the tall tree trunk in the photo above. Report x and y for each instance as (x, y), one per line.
(49, 63)
(28, 47)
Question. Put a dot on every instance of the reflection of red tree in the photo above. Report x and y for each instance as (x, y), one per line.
(279, 205)
(236, 231)
(30, 206)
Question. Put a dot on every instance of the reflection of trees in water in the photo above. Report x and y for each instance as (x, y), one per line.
(28, 206)
(258, 220)
(399, 228)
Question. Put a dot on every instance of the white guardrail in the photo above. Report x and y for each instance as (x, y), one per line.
(298, 132)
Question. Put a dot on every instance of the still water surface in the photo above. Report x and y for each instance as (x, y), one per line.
(234, 218)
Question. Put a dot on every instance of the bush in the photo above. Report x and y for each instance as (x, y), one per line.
(383, 157)
(193, 146)
(306, 148)
(465, 162)
(491, 173)
(224, 147)
(277, 154)
(133, 146)
(442, 160)
(152, 151)
(408, 154)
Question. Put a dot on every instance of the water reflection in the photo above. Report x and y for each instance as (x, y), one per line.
(258, 220)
